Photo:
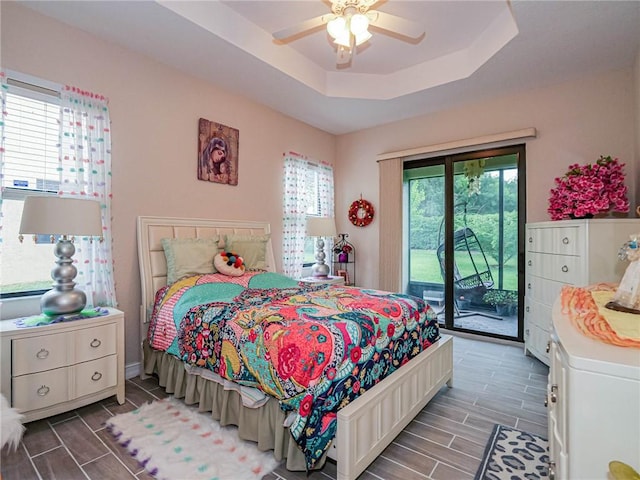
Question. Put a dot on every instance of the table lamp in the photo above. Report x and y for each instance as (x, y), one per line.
(320, 227)
(66, 217)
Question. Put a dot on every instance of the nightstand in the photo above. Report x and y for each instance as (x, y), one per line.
(324, 280)
(49, 369)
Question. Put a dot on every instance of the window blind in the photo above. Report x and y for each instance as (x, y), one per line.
(31, 140)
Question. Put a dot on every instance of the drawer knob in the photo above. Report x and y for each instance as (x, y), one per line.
(552, 470)
(95, 343)
(43, 390)
(42, 354)
(96, 376)
(530, 239)
(527, 308)
(565, 240)
(529, 263)
(529, 286)
(565, 269)
(548, 349)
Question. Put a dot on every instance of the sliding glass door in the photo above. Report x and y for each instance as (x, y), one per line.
(465, 218)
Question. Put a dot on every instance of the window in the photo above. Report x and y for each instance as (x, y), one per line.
(307, 190)
(30, 167)
(312, 184)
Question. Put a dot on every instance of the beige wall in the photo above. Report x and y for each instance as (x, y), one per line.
(576, 122)
(154, 112)
(636, 88)
(155, 109)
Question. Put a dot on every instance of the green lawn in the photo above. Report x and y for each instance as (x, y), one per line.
(424, 268)
(26, 287)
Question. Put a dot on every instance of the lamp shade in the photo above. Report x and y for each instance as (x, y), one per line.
(321, 227)
(61, 216)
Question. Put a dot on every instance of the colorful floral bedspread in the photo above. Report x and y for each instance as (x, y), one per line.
(313, 347)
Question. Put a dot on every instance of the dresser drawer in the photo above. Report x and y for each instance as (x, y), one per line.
(537, 314)
(96, 342)
(96, 375)
(37, 354)
(568, 240)
(538, 341)
(40, 390)
(561, 268)
(542, 290)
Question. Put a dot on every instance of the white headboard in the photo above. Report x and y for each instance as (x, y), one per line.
(153, 265)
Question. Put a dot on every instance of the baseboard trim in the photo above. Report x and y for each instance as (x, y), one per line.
(132, 370)
(483, 338)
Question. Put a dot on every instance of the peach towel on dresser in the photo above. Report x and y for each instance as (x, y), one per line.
(586, 309)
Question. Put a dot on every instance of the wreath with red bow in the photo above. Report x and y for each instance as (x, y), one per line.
(361, 213)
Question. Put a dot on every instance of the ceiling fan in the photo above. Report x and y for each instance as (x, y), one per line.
(348, 25)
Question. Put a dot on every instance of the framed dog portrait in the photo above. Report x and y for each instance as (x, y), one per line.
(217, 152)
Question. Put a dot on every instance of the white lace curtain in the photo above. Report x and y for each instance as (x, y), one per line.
(85, 171)
(84, 167)
(297, 204)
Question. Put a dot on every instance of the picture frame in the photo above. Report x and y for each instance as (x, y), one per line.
(344, 274)
(218, 147)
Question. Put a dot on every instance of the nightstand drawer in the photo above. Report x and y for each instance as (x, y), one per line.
(91, 377)
(37, 354)
(40, 390)
(95, 342)
(50, 369)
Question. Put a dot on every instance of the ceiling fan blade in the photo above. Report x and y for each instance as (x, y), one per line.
(395, 24)
(303, 27)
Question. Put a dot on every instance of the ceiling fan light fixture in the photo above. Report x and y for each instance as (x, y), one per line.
(358, 24)
(344, 55)
(362, 37)
(337, 27)
(344, 39)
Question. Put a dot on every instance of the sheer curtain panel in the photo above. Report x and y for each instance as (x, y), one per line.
(85, 171)
(307, 190)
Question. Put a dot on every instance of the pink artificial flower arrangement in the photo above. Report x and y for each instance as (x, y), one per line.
(589, 189)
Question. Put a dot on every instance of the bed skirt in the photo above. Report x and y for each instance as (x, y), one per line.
(263, 425)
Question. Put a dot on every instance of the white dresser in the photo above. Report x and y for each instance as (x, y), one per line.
(53, 368)
(593, 401)
(574, 252)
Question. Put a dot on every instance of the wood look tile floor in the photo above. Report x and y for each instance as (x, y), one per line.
(493, 383)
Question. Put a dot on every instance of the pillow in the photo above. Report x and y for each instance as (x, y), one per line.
(229, 263)
(189, 256)
(252, 248)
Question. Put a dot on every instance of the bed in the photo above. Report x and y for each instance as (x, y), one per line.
(363, 427)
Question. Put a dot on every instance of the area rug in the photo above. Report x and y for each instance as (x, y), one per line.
(514, 454)
(174, 442)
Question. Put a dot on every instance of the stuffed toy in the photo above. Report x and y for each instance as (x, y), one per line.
(229, 263)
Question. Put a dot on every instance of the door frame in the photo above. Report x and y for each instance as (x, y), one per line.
(448, 161)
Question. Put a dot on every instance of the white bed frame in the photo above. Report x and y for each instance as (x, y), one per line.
(367, 425)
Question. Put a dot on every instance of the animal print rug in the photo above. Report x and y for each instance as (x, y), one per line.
(511, 453)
